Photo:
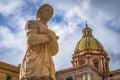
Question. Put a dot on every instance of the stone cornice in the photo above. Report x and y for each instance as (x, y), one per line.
(77, 70)
(114, 72)
(9, 67)
(91, 53)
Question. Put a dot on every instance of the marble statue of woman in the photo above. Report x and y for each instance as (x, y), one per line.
(42, 44)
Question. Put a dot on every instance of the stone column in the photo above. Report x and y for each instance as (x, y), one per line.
(101, 64)
(84, 77)
(89, 76)
(104, 66)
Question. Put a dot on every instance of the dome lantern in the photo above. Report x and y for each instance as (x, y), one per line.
(87, 31)
(88, 42)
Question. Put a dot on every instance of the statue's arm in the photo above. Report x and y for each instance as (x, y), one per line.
(52, 36)
(53, 44)
(33, 37)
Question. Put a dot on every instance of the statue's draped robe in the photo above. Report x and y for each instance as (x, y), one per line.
(42, 45)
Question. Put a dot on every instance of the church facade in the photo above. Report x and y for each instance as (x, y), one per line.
(90, 61)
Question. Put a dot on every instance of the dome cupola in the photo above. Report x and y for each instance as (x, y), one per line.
(88, 42)
(89, 51)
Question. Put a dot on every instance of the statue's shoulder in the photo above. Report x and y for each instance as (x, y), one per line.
(31, 23)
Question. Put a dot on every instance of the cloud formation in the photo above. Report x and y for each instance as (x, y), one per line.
(10, 7)
(68, 21)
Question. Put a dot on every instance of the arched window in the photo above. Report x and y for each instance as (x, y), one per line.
(96, 63)
(82, 62)
(76, 63)
(70, 78)
(9, 78)
(88, 32)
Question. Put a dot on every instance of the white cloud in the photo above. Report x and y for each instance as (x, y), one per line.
(10, 6)
(114, 66)
(115, 24)
(74, 12)
(67, 41)
(97, 20)
(11, 46)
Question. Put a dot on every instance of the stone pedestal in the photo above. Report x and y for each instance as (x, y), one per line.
(35, 78)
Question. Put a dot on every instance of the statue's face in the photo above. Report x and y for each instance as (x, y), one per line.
(46, 12)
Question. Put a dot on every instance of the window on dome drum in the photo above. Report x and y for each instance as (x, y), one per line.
(81, 61)
(96, 65)
(9, 78)
(88, 32)
(84, 32)
(111, 75)
(70, 78)
(76, 63)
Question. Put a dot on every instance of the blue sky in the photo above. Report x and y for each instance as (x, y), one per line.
(69, 17)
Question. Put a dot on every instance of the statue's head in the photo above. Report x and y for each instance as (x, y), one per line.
(45, 12)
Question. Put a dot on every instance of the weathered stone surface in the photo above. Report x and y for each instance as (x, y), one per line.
(42, 44)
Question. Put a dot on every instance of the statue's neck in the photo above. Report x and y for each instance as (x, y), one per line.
(43, 21)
